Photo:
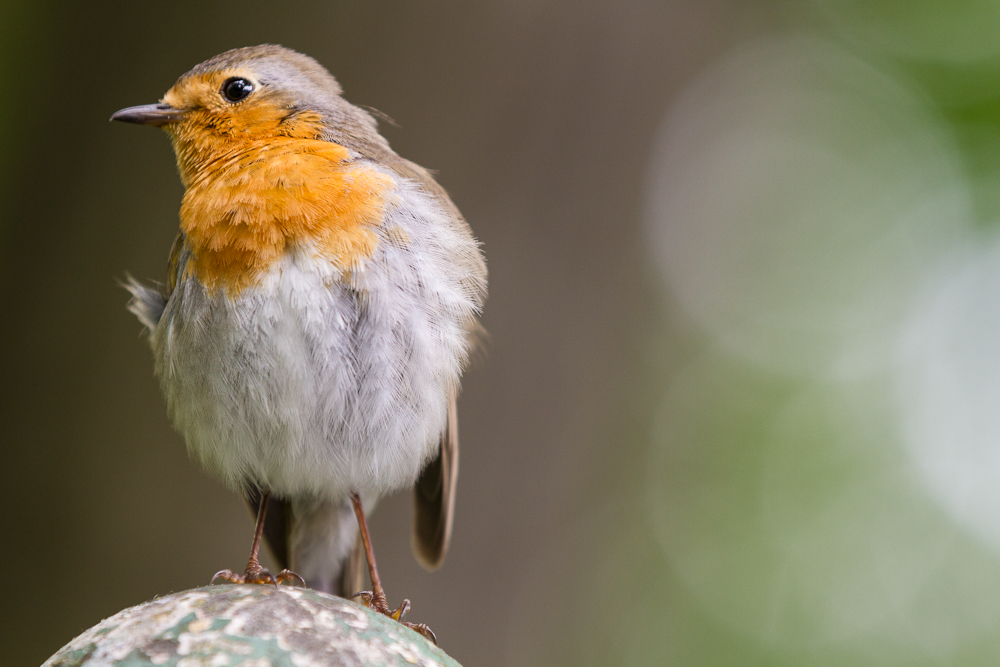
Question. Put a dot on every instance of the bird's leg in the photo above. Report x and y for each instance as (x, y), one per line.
(375, 598)
(255, 574)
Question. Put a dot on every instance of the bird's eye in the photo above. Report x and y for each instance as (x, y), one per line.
(236, 89)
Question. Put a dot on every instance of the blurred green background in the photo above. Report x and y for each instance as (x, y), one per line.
(742, 401)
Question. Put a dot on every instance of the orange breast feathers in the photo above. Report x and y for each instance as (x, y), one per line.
(248, 203)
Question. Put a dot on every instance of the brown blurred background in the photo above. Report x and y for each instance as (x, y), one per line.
(542, 118)
(537, 116)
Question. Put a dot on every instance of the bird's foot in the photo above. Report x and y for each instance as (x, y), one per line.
(255, 574)
(377, 602)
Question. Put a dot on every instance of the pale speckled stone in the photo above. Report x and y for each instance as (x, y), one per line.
(249, 626)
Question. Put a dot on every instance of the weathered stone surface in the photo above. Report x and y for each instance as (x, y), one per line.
(249, 625)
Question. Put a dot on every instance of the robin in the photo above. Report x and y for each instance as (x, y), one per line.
(321, 300)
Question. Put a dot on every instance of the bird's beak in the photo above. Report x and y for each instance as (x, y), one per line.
(156, 115)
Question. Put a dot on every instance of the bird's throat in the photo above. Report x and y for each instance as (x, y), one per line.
(248, 203)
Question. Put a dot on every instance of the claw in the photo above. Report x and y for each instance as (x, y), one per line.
(422, 629)
(375, 598)
(255, 574)
(403, 608)
(228, 575)
(288, 575)
(374, 603)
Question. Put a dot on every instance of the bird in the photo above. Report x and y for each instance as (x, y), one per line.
(323, 297)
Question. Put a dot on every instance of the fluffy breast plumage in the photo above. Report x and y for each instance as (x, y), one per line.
(323, 378)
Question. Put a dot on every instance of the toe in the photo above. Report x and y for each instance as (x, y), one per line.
(365, 597)
(403, 608)
(227, 575)
(424, 630)
(260, 576)
(288, 575)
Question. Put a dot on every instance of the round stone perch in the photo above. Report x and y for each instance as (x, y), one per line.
(248, 625)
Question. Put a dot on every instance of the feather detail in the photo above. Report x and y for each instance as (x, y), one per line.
(434, 497)
(146, 303)
(251, 204)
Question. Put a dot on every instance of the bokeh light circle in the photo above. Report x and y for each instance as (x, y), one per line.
(948, 388)
(790, 511)
(795, 196)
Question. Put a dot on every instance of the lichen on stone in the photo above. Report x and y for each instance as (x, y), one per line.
(250, 626)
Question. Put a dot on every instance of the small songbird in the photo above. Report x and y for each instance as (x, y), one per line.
(322, 298)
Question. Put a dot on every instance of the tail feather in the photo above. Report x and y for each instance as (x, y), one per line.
(323, 546)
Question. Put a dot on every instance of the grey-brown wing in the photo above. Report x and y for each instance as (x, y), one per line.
(434, 493)
(434, 497)
(471, 260)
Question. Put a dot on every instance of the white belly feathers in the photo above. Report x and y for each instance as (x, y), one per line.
(320, 382)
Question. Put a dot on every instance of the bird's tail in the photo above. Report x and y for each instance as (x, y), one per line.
(324, 546)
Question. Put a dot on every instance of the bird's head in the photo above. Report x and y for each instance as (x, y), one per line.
(230, 103)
